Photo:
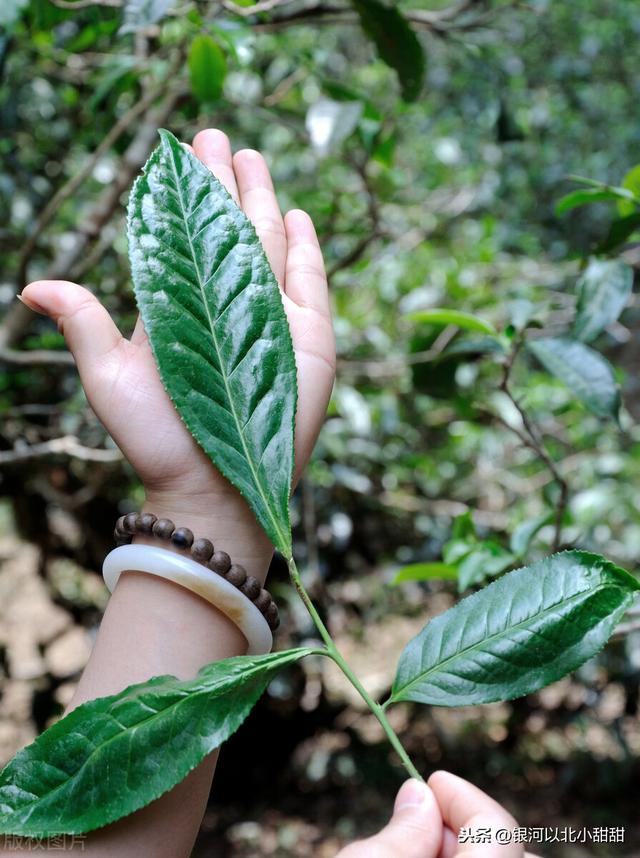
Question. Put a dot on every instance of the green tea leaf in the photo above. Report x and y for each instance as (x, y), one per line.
(207, 68)
(619, 232)
(214, 316)
(426, 572)
(518, 634)
(142, 13)
(583, 370)
(486, 560)
(631, 182)
(524, 533)
(397, 44)
(585, 197)
(603, 291)
(114, 755)
(452, 317)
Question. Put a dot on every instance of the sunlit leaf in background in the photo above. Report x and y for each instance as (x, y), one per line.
(426, 572)
(207, 68)
(460, 319)
(631, 182)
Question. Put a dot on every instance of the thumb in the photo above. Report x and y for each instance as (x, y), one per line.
(87, 327)
(414, 831)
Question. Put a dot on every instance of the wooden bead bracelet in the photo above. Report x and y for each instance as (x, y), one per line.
(202, 550)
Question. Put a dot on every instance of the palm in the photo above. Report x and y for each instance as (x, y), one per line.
(129, 398)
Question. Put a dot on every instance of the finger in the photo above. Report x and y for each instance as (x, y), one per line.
(86, 325)
(305, 278)
(139, 335)
(414, 831)
(260, 205)
(449, 843)
(214, 150)
(465, 806)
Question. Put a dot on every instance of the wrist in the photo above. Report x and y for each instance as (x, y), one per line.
(223, 517)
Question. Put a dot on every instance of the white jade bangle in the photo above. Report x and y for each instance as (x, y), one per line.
(192, 575)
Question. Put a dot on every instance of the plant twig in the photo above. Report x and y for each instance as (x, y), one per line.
(36, 357)
(531, 438)
(85, 4)
(68, 445)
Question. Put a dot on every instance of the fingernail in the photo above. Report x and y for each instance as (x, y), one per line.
(32, 305)
(412, 794)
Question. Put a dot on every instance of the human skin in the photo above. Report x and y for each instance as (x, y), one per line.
(152, 626)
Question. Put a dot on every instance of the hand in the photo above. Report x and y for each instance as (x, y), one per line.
(120, 376)
(427, 818)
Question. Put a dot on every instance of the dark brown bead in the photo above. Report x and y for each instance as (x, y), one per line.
(262, 600)
(130, 522)
(271, 616)
(201, 550)
(163, 528)
(119, 528)
(182, 537)
(146, 522)
(236, 575)
(251, 588)
(220, 562)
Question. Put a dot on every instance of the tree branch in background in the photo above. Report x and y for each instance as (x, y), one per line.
(532, 439)
(440, 23)
(36, 357)
(85, 4)
(68, 445)
(396, 364)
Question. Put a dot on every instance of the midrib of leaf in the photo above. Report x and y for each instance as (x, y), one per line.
(473, 647)
(283, 536)
(98, 748)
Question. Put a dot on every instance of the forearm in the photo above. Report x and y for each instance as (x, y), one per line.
(154, 627)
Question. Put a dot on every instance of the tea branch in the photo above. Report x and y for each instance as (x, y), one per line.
(336, 656)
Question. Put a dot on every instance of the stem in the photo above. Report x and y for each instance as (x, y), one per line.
(531, 438)
(335, 655)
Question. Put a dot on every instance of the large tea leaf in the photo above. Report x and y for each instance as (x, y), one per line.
(603, 291)
(213, 313)
(114, 755)
(517, 635)
(585, 372)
